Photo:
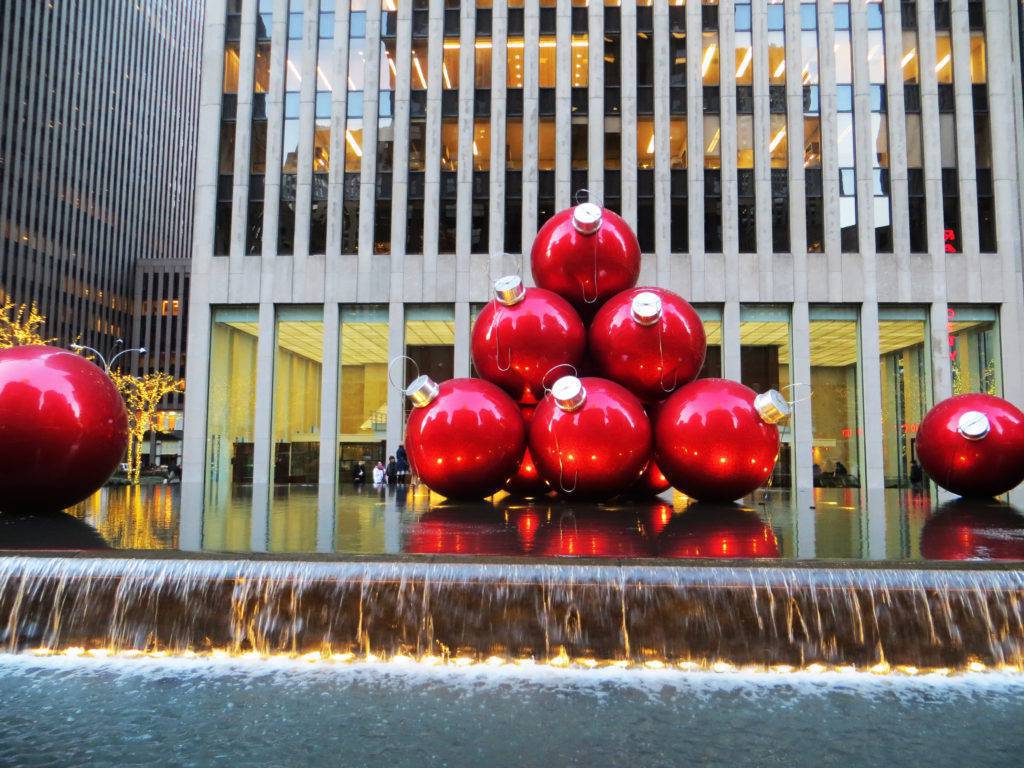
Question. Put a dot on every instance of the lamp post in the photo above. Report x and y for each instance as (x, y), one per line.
(108, 365)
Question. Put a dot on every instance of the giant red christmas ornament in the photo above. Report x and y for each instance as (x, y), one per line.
(527, 482)
(970, 530)
(649, 340)
(717, 531)
(717, 440)
(590, 438)
(63, 429)
(522, 334)
(651, 482)
(586, 255)
(973, 445)
(464, 437)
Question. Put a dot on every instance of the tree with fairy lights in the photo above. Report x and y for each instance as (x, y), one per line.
(142, 395)
(20, 324)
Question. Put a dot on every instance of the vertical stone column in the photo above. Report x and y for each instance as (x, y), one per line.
(1006, 131)
(262, 469)
(531, 116)
(367, 268)
(595, 94)
(329, 391)
(731, 340)
(499, 116)
(464, 174)
(243, 137)
(396, 398)
(730, 201)
(432, 169)
(829, 138)
(695, 149)
(563, 103)
(969, 274)
(762, 141)
(307, 107)
(197, 373)
(662, 150)
(400, 153)
(627, 115)
(897, 126)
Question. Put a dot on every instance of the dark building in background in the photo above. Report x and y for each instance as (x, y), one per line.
(97, 155)
(97, 171)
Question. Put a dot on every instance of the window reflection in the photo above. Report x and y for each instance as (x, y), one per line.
(835, 407)
(905, 382)
(764, 365)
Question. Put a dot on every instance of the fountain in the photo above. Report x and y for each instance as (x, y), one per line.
(440, 611)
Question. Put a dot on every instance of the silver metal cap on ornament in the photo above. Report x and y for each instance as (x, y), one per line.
(569, 393)
(646, 308)
(509, 290)
(422, 391)
(772, 406)
(974, 425)
(586, 217)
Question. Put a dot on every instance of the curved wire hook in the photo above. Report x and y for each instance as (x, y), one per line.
(561, 469)
(810, 392)
(588, 196)
(497, 344)
(544, 378)
(391, 366)
(661, 355)
(583, 285)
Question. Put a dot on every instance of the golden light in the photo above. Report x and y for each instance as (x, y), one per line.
(709, 54)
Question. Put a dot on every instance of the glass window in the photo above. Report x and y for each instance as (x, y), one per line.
(482, 64)
(362, 387)
(974, 350)
(835, 406)
(580, 61)
(906, 383)
(645, 144)
(514, 145)
(261, 79)
(418, 65)
(514, 62)
(548, 62)
(298, 364)
(450, 64)
(943, 59)
(710, 59)
(546, 145)
(712, 142)
(677, 142)
(231, 413)
(430, 341)
(450, 145)
(711, 317)
(764, 364)
(481, 145)
(778, 144)
(745, 141)
(231, 64)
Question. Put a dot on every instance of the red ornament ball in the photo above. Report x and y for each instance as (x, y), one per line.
(717, 531)
(651, 482)
(649, 340)
(712, 441)
(464, 437)
(522, 334)
(969, 530)
(586, 255)
(973, 445)
(63, 429)
(590, 438)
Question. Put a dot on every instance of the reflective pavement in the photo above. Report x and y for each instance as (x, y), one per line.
(367, 520)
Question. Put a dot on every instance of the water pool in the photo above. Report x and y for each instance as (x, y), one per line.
(63, 712)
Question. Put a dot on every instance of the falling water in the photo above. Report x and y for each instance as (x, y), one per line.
(636, 613)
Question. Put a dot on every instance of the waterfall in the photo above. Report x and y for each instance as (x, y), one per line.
(637, 613)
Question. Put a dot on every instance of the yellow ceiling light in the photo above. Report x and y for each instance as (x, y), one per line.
(709, 54)
(745, 63)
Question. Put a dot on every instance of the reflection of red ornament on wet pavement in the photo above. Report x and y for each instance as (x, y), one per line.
(649, 340)
(973, 445)
(522, 334)
(714, 443)
(590, 438)
(63, 428)
(464, 437)
(586, 255)
(464, 531)
(964, 530)
(717, 530)
(594, 533)
(527, 523)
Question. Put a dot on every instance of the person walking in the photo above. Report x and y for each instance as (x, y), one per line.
(378, 473)
(358, 474)
(391, 470)
(402, 463)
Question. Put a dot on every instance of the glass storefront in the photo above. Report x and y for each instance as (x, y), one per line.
(362, 388)
(231, 411)
(298, 372)
(430, 342)
(711, 317)
(906, 387)
(764, 364)
(974, 350)
(835, 404)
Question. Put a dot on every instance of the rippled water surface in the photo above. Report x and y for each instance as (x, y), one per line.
(64, 712)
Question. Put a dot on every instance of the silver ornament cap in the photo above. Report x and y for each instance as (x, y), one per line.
(974, 425)
(509, 290)
(586, 217)
(569, 393)
(422, 391)
(772, 406)
(646, 308)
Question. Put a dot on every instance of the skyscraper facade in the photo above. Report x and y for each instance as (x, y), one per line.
(97, 158)
(818, 178)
